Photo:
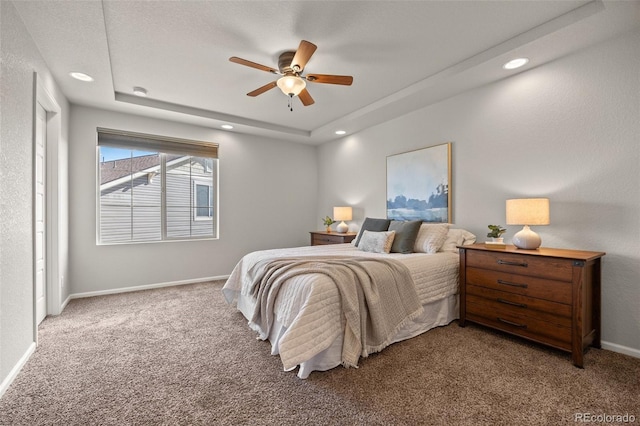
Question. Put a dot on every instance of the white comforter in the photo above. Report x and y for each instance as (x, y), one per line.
(308, 306)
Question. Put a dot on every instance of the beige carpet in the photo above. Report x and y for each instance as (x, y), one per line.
(180, 355)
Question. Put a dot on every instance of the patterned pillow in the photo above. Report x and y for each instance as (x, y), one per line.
(376, 242)
(430, 238)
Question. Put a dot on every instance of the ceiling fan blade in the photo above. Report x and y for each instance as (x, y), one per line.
(306, 98)
(304, 52)
(345, 80)
(241, 61)
(261, 90)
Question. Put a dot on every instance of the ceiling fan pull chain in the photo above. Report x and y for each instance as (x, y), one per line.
(290, 103)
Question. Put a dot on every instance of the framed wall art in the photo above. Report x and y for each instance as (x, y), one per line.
(418, 185)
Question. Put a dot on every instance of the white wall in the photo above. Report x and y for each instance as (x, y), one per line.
(568, 130)
(20, 59)
(267, 199)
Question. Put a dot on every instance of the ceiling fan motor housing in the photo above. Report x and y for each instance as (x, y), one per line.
(284, 63)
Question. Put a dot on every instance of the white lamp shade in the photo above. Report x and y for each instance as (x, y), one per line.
(342, 214)
(291, 85)
(528, 211)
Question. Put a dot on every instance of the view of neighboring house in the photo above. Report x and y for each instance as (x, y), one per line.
(131, 191)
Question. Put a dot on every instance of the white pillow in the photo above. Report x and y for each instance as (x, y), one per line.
(430, 238)
(457, 237)
(376, 242)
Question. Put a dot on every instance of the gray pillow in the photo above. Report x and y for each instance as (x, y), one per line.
(406, 234)
(375, 225)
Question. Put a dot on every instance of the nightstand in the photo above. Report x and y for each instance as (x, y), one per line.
(323, 237)
(550, 296)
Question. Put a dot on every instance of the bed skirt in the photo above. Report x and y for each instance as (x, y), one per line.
(437, 313)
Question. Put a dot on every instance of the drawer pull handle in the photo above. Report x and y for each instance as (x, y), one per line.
(512, 284)
(506, 262)
(515, 324)
(507, 302)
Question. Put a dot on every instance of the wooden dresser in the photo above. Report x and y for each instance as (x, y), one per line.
(322, 237)
(551, 296)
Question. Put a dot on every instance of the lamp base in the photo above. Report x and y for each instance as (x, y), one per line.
(342, 228)
(527, 239)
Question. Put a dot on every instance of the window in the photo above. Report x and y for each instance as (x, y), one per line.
(153, 188)
(203, 192)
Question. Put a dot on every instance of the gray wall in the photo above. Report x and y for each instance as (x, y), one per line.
(20, 59)
(267, 199)
(568, 130)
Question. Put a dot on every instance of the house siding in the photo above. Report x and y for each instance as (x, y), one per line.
(132, 210)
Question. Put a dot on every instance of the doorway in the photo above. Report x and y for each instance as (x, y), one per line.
(48, 280)
(39, 217)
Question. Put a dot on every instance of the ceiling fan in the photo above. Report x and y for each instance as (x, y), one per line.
(290, 66)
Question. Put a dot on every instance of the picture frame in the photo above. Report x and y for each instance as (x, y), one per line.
(419, 185)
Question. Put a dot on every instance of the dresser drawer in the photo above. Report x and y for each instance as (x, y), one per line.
(541, 267)
(329, 239)
(493, 314)
(555, 291)
(545, 310)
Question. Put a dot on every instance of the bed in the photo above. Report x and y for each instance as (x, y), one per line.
(305, 319)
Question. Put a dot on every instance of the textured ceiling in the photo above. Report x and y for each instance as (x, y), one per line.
(403, 55)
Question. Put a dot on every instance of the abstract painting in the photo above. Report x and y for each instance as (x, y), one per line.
(418, 185)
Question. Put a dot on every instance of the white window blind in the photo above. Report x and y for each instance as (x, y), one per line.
(144, 142)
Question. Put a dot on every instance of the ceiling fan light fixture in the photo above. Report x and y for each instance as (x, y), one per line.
(291, 85)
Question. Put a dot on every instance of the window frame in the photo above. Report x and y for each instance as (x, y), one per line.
(175, 145)
(210, 198)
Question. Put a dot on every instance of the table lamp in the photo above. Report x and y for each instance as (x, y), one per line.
(527, 211)
(342, 214)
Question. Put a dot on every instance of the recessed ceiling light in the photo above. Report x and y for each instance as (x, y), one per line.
(81, 76)
(341, 132)
(515, 63)
(140, 91)
(227, 126)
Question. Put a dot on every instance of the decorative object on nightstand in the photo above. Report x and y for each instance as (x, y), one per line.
(328, 222)
(341, 214)
(527, 211)
(322, 237)
(550, 296)
(495, 232)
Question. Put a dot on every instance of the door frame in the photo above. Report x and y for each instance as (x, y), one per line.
(54, 279)
(40, 195)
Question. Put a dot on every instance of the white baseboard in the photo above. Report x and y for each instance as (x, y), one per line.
(65, 303)
(620, 349)
(142, 287)
(16, 369)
